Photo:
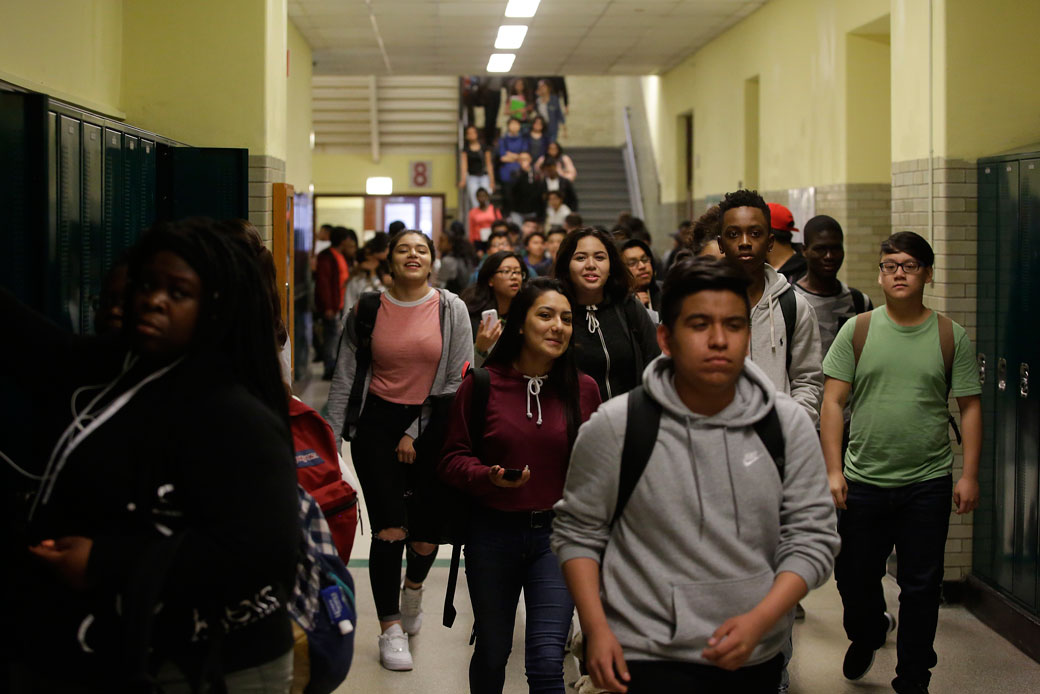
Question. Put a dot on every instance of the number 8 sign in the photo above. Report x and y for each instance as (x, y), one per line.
(421, 174)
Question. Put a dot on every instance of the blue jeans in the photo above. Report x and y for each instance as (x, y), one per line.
(914, 519)
(505, 554)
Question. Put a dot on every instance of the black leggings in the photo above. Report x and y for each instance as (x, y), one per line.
(394, 498)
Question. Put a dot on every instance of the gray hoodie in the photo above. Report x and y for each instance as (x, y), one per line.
(709, 525)
(457, 338)
(804, 381)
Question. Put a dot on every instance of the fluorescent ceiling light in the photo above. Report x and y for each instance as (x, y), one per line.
(501, 62)
(379, 185)
(522, 8)
(510, 37)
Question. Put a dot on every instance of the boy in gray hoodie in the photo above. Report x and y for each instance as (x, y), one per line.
(797, 368)
(694, 584)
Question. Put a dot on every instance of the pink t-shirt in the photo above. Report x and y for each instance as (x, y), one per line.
(406, 348)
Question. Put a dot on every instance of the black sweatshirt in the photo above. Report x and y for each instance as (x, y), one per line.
(631, 343)
(194, 452)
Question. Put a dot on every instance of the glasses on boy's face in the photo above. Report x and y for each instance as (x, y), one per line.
(510, 273)
(910, 267)
(636, 262)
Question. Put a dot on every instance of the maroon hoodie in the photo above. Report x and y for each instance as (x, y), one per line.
(513, 438)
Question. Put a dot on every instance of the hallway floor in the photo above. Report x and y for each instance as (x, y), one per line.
(972, 658)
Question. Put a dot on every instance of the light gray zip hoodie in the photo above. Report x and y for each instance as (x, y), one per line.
(804, 381)
(709, 525)
(457, 341)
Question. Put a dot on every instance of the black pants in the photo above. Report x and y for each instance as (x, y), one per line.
(914, 519)
(655, 677)
(397, 495)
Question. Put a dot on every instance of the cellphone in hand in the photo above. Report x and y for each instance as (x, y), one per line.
(489, 318)
(512, 474)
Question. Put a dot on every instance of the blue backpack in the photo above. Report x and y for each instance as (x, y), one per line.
(323, 607)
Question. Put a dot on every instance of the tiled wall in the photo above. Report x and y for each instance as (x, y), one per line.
(263, 171)
(953, 292)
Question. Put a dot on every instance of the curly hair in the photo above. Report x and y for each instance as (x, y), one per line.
(744, 198)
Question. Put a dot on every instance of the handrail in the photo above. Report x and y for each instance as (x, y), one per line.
(635, 193)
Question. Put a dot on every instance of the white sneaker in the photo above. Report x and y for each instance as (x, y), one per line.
(393, 649)
(891, 623)
(411, 610)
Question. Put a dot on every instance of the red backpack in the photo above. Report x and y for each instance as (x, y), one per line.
(317, 471)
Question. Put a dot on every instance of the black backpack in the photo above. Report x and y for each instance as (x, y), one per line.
(364, 324)
(789, 309)
(460, 511)
(641, 427)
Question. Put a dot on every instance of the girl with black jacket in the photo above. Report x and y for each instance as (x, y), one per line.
(149, 561)
(614, 336)
(515, 472)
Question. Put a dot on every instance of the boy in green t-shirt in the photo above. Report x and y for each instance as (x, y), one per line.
(896, 484)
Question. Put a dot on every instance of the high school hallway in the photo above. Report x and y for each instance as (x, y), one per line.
(973, 659)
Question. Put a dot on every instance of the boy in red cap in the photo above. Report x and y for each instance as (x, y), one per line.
(783, 256)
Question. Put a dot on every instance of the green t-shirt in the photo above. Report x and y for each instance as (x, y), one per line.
(900, 432)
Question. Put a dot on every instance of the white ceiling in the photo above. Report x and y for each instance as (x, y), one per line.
(566, 37)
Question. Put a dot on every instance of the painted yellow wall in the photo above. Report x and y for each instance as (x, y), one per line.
(346, 173)
(868, 108)
(276, 22)
(992, 91)
(70, 49)
(910, 52)
(298, 124)
(797, 49)
(196, 71)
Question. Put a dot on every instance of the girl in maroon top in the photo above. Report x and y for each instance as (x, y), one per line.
(536, 403)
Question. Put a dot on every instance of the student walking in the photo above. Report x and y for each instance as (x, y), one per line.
(331, 278)
(475, 169)
(498, 282)
(639, 259)
(515, 471)
(833, 301)
(783, 256)
(695, 513)
(143, 523)
(381, 400)
(894, 485)
(785, 338)
(615, 337)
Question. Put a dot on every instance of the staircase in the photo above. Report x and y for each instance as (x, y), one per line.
(602, 186)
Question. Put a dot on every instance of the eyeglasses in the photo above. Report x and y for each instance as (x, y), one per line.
(635, 262)
(510, 273)
(910, 267)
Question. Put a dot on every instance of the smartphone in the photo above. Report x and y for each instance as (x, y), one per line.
(512, 474)
(488, 319)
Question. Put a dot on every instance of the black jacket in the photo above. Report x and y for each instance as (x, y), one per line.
(570, 198)
(629, 338)
(525, 196)
(188, 491)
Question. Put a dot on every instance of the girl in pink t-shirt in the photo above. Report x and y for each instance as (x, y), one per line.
(419, 343)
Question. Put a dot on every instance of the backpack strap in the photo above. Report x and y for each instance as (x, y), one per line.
(641, 425)
(859, 337)
(859, 302)
(789, 309)
(948, 347)
(364, 323)
(475, 426)
(772, 436)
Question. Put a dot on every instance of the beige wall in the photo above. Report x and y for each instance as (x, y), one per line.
(797, 48)
(70, 49)
(299, 124)
(346, 173)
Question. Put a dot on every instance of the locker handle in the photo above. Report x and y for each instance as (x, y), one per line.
(981, 361)
(1023, 380)
(1002, 374)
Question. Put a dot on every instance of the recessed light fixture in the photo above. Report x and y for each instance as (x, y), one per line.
(501, 62)
(510, 37)
(379, 185)
(522, 8)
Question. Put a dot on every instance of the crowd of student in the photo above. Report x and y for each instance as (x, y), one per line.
(667, 458)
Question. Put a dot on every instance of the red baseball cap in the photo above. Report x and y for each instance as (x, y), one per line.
(780, 218)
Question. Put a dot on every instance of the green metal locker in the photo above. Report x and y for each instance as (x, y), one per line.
(131, 191)
(66, 241)
(93, 267)
(1007, 536)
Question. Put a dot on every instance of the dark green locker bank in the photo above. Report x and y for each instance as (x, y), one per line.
(79, 189)
(1006, 527)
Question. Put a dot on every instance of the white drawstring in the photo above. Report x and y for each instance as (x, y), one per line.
(534, 387)
(772, 325)
(591, 320)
